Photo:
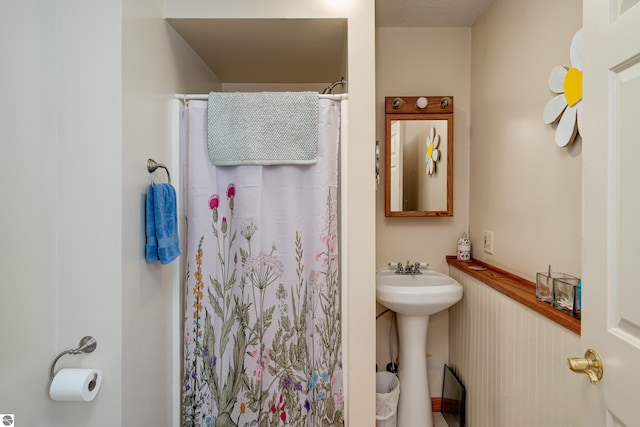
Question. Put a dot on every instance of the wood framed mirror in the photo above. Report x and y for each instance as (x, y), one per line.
(418, 156)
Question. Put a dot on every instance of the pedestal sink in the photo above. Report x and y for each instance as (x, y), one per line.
(414, 297)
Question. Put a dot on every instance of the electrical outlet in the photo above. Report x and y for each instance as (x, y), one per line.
(487, 241)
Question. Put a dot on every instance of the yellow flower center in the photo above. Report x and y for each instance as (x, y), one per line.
(430, 149)
(573, 86)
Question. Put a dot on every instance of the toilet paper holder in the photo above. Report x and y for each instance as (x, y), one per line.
(87, 345)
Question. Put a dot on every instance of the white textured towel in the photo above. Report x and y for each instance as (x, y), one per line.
(263, 128)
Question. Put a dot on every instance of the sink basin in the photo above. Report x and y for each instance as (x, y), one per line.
(415, 297)
(416, 294)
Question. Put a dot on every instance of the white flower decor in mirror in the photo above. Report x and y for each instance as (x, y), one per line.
(433, 154)
(567, 105)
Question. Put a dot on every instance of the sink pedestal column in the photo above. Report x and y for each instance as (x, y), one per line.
(414, 408)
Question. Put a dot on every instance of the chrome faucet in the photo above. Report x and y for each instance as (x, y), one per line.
(408, 268)
(399, 269)
(416, 267)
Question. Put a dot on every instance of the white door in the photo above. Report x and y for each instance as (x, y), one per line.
(396, 167)
(611, 209)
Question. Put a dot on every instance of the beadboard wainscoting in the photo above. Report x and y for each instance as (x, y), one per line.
(512, 361)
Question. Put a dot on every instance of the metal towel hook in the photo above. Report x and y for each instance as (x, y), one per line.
(87, 345)
(152, 165)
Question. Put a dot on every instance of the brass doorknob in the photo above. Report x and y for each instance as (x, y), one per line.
(590, 365)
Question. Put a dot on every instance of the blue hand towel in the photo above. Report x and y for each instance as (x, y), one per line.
(162, 224)
(151, 248)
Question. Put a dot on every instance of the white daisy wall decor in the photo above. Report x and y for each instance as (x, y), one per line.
(433, 154)
(566, 106)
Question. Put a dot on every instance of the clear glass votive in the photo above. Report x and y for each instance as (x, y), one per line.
(545, 286)
(565, 294)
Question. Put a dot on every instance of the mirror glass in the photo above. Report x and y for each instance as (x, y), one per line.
(419, 157)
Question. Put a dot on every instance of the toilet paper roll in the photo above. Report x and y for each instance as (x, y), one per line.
(75, 385)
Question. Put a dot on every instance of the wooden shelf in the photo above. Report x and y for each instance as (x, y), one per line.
(515, 288)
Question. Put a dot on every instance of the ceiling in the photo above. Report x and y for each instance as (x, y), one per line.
(429, 13)
(268, 50)
(305, 50)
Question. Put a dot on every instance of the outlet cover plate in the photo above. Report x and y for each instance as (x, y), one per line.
(487, 242)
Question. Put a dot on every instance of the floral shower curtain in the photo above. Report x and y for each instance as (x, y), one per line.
(262, 342)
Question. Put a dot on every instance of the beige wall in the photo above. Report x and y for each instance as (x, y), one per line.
(28, 170)
(157, 63)
(89, 199)
(424, 61)
(61, 244)
(523, 187)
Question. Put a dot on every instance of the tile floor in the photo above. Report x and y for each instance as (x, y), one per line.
(438, 421)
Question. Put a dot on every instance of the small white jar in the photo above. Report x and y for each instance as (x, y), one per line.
(464, 248)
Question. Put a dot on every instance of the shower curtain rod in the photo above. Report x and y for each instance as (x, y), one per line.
(205, 97)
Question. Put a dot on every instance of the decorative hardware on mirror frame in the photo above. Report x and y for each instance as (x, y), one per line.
(396, 103)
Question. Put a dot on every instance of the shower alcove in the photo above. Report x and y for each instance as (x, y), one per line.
(255, 55)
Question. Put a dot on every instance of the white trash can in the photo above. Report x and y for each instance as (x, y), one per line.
(387, 394)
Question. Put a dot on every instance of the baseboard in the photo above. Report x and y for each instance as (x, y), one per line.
(436, 404)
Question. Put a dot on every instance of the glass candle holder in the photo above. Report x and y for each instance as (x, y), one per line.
(565, 295)
(545, 285)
